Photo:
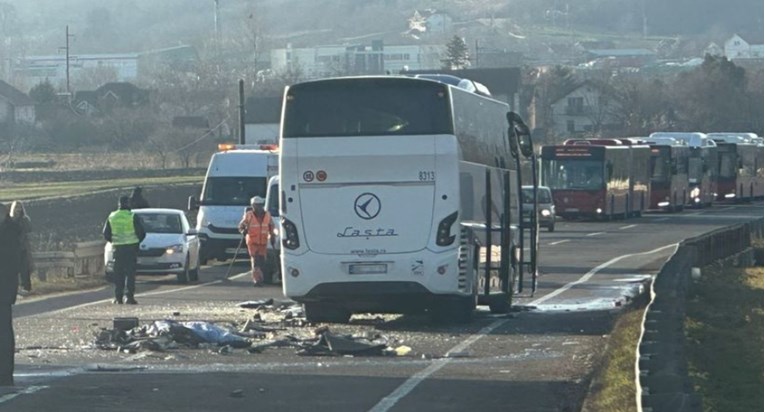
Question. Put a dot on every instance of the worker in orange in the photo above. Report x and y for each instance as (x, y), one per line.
(258, 226)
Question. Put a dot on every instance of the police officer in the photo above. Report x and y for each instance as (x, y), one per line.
(125, 231)
(10, 265)
(257, 226)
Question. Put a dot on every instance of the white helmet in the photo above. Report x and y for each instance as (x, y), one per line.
(257, 200)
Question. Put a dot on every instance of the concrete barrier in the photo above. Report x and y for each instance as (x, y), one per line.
(85, 259)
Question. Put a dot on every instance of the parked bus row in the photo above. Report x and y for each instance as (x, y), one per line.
(666, 171)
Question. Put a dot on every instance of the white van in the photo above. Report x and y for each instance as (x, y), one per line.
(234, 176)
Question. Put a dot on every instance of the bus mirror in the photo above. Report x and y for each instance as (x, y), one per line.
(522, 134)
(513, 140)
(527, 148)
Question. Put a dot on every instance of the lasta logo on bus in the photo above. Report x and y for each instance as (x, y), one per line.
(351, 231)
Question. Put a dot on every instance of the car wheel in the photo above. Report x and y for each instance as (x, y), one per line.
(194, 273)
(183, 277)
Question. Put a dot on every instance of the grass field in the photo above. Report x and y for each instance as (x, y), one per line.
(27, 191)
(724, 338)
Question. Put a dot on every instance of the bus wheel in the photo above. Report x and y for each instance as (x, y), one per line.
(500, 305)
(320, 313)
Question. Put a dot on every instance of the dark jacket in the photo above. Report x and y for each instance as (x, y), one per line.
(137, 226)
(11, 251)
(137, 201)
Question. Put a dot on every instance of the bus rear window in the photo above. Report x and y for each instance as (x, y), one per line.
(367, 107)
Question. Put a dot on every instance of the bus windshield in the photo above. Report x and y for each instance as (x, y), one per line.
(728, 165)
(659, 169)
(232, 191)
(573, 174)
(372, 107)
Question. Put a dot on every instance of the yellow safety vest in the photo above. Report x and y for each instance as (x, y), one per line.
(123, 231)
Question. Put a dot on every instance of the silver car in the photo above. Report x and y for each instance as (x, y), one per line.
(545, 206)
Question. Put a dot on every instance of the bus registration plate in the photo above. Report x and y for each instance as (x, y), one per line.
(367, 268)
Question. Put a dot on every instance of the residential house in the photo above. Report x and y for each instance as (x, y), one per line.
(583, 108)
(739, 47)
(16, 107)
(108, 96)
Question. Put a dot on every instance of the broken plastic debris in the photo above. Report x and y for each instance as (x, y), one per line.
(402, 350)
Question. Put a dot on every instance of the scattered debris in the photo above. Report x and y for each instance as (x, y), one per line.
(255, 304)
(237, 393)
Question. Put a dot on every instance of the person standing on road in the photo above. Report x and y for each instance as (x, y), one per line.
(137, 201)
(19, 215)
(125, 231)
(10, 266)
(257, 225)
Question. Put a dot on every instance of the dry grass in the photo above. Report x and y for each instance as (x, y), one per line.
(103, 160)
(26, 191)
(724, 338)
(613, 386)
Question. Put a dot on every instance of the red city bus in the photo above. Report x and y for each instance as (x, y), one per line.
(740, 167)
(670, 185)
(596, 178)
(702, 165)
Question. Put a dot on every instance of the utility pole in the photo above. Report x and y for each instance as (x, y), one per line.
(241, 112)
(217, 27)
(66, 48)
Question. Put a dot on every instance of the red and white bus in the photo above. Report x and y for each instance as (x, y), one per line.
(740, 166)
(597, 178)
(670, 184)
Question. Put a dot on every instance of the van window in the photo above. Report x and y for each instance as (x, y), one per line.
(232, 191)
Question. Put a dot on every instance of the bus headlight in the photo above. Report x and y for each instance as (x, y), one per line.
(290, 239)
(544, 212)
(444, 236)
(695, 192)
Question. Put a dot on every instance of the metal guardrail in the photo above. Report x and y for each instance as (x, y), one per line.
(85, 259)
(663, 383)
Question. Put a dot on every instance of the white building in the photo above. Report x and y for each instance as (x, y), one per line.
(583, 109)
(32, 70)
(324, 61)
(738, 48)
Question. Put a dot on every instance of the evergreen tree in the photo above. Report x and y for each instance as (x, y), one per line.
(457, 55)
(43, 93)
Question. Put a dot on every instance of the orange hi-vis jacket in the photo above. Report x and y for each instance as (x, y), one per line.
(258, 230)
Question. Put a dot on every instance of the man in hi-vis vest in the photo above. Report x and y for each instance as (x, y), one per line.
(125, 232)
(257, 225)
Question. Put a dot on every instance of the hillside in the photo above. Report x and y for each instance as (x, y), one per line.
(37, 26)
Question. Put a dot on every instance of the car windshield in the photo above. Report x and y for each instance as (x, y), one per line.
(543, 195)
(161, 222)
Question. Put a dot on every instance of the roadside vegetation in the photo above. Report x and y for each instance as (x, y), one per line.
(613, 386)
(724, 338)
(27, 191)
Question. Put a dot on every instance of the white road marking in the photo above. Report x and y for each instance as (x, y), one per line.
(391, 400)
(627, 227)
(595, 270)
(156, 292)
(595, 234)
(410, 384)
(559, 242)
(25, 391)
(662, 219)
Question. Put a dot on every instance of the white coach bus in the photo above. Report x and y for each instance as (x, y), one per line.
(382, 179)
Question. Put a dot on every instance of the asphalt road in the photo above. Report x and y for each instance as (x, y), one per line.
(539, 358)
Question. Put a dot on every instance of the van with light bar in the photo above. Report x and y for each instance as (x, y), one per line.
(235, 174)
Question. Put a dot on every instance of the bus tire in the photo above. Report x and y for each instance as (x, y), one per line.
(322, 313)
(500, 306)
